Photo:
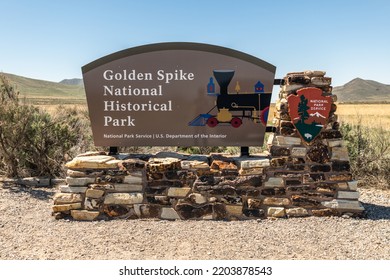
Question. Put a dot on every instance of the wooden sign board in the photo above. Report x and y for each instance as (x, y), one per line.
(178, 94)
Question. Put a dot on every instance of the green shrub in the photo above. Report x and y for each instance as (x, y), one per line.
(33, 142)
(369, 151)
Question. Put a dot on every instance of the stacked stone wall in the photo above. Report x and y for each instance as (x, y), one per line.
(294, 179)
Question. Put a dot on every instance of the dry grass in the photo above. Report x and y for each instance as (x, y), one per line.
(372, 115)
(52, 109)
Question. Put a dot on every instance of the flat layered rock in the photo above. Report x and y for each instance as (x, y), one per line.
(169, 214)
(297, 212)
(67, 198)
(93, 162)
(84, 215)
(341, 204)
(66, 207)
(123, 198)
(276, 212)
(253, 163)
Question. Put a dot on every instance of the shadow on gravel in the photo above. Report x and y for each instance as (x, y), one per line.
(376, 212)
(38, 193)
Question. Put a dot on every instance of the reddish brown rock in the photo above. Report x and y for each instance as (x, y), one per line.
(303, 201)
(320, 168)
(340, 166)
(223, 165)
(331, 134)
(318, 153)
(323, 212)
(132, 164)
(120, 211)
(279, 161)
(273, 191)
(163, 164)
(188, 211)
(278, 151)
(340, 177)
(217, 190)
(254, 203)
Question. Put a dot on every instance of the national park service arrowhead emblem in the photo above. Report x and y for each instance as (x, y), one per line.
(309, 112)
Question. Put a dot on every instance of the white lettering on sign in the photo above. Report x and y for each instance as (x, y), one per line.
(318, 105)
(128, 121)
(175, 76)
(132, 75)
(129, 91)
(126, 75)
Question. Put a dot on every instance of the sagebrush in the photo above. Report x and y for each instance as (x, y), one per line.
(369, 152)
(34, 142)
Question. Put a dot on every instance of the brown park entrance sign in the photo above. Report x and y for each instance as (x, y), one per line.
(178, 94)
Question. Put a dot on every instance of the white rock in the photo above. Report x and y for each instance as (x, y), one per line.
(297, 212)
(248, 164)
(66, 207)
(343, 204)
(198, 198)
(352, 185)
(123, 198)
(92, 193)
(334, 142)
(128, 187)
(287, 140)
(276, 212)
(298, 152)
(73, 189)
(274, 182)
(132, 180)
(79, 181)
(340, 153)
(347, 195)
(169, 214)
(178, 192)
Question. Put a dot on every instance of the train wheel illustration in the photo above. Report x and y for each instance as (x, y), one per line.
(212, 122)
(264, 116)
(236, 122)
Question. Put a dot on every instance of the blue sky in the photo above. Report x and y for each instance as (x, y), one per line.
(52, 40)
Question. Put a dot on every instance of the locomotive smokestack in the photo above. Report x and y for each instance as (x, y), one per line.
(223, 78)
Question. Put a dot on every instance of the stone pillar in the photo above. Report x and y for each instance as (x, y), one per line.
(308, 157)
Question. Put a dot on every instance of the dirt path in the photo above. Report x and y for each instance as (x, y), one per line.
(27, 231)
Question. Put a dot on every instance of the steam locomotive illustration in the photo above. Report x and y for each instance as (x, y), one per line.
(233, 108)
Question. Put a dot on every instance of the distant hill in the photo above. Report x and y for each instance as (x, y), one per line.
(72, 91)
(42, 92)
(74, 82)
(363, 91)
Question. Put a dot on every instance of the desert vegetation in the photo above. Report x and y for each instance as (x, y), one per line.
(34, 142)
(369, 152)
(37, 138)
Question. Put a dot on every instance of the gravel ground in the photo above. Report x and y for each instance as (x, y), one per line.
(27, 231)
